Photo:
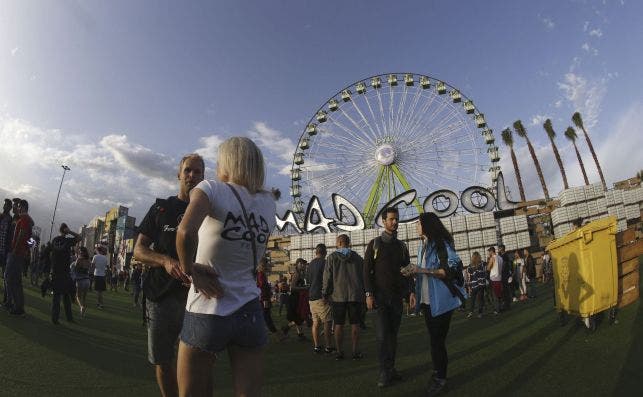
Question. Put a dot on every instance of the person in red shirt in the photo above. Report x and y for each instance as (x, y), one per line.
(17, 258)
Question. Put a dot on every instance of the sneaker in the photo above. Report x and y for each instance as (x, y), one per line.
(437, 386)
(514, 299)
(384, 380)
(358, 356)
(470, 315)
(329, 350)
(339, 356)
(495, 313)
(317, 349)
(412, 315)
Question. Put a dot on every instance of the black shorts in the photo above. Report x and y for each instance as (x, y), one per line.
(99, 283)
(354, 310)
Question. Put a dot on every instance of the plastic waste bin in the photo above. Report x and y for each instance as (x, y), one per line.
(586, 269)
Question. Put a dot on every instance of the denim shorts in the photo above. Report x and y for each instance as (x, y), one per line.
(164, 320)
(213, 334)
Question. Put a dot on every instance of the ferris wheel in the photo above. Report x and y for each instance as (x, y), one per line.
(390, 133)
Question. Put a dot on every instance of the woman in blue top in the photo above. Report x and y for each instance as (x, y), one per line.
(436, 300)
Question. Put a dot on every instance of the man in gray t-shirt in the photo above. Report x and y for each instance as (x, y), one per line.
(319, 306)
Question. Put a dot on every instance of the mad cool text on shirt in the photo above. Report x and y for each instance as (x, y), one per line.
(475, 199)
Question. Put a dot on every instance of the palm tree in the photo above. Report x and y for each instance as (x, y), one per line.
(508, 139)
(552, 134)
(578, 121)
(520, 130)
(570, 133)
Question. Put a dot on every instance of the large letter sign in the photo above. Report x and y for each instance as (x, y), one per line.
(443, 203)
(340, 203)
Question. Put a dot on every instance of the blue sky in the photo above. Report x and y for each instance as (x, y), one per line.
(121, 90)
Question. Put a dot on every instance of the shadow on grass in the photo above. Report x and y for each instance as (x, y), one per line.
(629, 382)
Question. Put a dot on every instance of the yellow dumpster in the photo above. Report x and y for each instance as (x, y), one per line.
(585, 268)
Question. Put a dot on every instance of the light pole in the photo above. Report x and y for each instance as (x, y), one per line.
(53, 218)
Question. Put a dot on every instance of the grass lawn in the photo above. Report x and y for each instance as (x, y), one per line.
(521, 352)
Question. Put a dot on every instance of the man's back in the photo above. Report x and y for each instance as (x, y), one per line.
(316, 277)
(345, 274)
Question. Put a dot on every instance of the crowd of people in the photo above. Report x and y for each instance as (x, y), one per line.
(205, 286)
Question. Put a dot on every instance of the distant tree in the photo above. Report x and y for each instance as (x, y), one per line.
(520, 130)
(508, 139)
(551, 134)
(578, 121)
(570, 133)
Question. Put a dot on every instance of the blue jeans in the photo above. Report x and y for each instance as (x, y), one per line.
(13, 280)
(389, 316)
(211, 333)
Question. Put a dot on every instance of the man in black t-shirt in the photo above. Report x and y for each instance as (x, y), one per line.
(165, 284)
(385, 289)
(61, 282)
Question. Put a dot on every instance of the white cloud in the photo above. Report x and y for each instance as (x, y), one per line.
(618, 153)
(276, 143)
(558, 103)
(538, 120)
(584, 96)
(596, 32)
(14, 51)
(105, 172)
(585, 46)
(585, 26)
(548, 22)
(210, 147)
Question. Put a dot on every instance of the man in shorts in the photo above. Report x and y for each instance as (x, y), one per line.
(319, 306)
(165, 286)
(344, 284)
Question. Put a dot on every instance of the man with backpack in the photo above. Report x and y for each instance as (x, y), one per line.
(165, 284)
(385, 289)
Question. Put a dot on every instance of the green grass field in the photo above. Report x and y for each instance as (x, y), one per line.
(521, 352)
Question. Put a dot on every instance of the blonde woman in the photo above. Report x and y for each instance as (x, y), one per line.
(226, 225)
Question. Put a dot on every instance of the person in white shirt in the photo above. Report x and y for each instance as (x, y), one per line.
(494, 267)
(99, 264)
(226, 225)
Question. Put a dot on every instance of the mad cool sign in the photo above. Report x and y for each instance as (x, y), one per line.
(443, 203)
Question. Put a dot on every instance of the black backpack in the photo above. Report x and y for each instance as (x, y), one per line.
(454, 273)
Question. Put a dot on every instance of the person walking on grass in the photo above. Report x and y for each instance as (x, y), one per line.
(520, 275)
(437, 265)
(17, 256)
(477, 283)
(266, 297)
(99, 269)
(165, 287)
(530, 270)
(298, 308)
(344, 286)
(82, 279)
(136, 282)
(61, 281)
(320, 309)
(494, 267)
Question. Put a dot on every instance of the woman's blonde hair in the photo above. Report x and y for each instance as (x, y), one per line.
(241, 161)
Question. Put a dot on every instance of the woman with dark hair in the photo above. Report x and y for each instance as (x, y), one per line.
(82, 278)
(298, 309)
(437, 265)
